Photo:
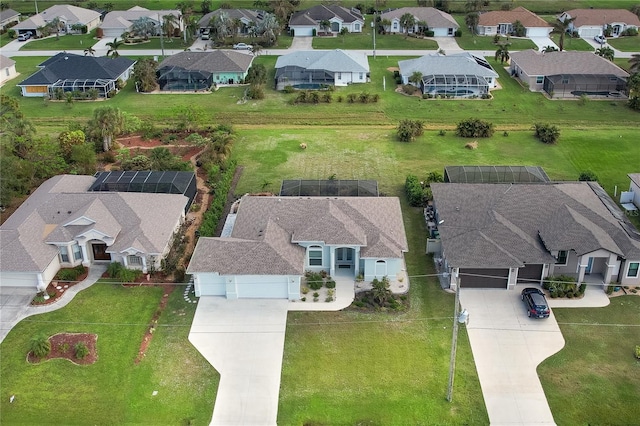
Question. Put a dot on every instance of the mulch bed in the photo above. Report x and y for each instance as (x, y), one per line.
(148, 335)
(62, 346)
(55, 293)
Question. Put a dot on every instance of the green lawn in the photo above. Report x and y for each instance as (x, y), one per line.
(66, 42)
(469, 41)
(364, 41)
(571, 43)
(381, 368)
(626, 44)
(594, 379)
(114, 390)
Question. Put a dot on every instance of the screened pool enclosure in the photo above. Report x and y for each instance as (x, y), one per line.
(103, 86)
(594, 85)
(495, 174)
(454, 85)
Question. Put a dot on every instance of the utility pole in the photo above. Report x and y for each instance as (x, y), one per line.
(458, 318)
(375, 29)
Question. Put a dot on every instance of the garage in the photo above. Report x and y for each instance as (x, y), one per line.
(483, 278)
(530, 274)
(262, 287)
(537, 32)
(19, 279)
(589, 32)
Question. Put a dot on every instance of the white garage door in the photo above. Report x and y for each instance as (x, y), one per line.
(589, 32)
(302, 31)
(210, 285)
(538, 32)
(262, 287)
(15, 279)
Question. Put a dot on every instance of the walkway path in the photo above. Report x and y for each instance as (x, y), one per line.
(18, 307)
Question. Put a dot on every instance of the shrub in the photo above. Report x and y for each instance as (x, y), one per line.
(113, 269)
(314, 281)
(304, 299)
(304, 290)
(582, 288)
(255, 91)
(638, 351)
(630, 32)
(68, 274)
(127, 275)
(340, 98)
(214, 213)
(429, 33)
(634, 103)
(442, 133)
(474, 128)
(40, 346)
(587, 176)
(413, 189)
(81, 350)
(330, 284)
(409, 89)
(351, 98)
(288, 89)
(458, 33)
(409, 130)
(329, 299)
(327, 97)
(609, 289)
(546, 133)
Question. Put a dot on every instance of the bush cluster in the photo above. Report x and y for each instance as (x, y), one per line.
(40, 346)
(81, 350)
(221, 189)
(419, 192)
(410, 89)
(474, 128)
(363, 98)
(547, 133)
(118, 271)
(563, 286)
(409, 130)
(70, 274)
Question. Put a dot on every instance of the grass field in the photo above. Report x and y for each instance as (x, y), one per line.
(154, 43)
(594, 379)
(571, 43)
(383, 368)
(364, 41)
(470, 41)
(626, 44)
(114, 390)
(66, 42)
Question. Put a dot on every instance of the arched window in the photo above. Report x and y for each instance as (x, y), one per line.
(315, 255)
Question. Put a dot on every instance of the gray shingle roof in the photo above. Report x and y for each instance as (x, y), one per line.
(68, 13)
(433, 17)
(635, 178)
(463, 63)
(8, 14)
(565, 62)
(124, 18)
(213, 61)
(248, 14)
(526, 18)
(267, 229)
(504, 225)
(330, 60)
(62, 208)
(322, 12)
(6, 62)
(68, 66)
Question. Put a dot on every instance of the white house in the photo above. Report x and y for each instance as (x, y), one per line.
(308, 22)
(8, 18)
(63, 224)
(274, 240)
(7, 69)
(315, 67)
(426, 18)
(592, 22)
(501, 22)
(70, 16)
(117, 22)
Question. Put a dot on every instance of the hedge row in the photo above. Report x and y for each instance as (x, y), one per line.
(212, 216)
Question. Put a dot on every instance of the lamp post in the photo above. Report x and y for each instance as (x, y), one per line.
(373, 26)
(458, 318)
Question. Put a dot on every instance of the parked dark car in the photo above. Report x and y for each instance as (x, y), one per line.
(535, 302)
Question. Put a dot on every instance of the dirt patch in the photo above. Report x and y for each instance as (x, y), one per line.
(63, 346)
(138, 141)
(148, 335)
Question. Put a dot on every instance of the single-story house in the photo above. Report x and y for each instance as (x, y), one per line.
(315, 67)
(71, 72)
(7, 69)
(70, 16)
(460, 75)
(63, 224)
(426, 18)
(499, 234)
(307, 22)
(201, 70)
(247, 17)
(273, 242)
(117, 22)
(568, 73)
(633, 196)
(501, 22)
(592, 22)
(8, 18)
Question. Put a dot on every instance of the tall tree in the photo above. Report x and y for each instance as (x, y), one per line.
(269, 28)
(205, 6)
(143, 27)
(407, 21)
(56, 25)
(503, 52)
(169, 23)
(221, 24)
(325, 25)
(107, 122)
(186, 9)
(416, 78)
(89, 51)
(634, 63)
(113, 48)
(471, 21)
(561, 27)
(144, 75)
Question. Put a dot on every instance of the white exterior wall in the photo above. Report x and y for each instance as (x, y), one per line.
(209, 284)
(8, 73)
(113, 32)
(624, 280)
(393, 267)
(570, 268)
(247, 286)
(482, 30)
(345, 78)
(636, 193)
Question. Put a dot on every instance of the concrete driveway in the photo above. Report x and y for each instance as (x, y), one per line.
(14, 304)
(542, 42)
(507, 347)
(244, 340)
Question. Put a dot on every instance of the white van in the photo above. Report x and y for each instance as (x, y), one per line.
(206, 33)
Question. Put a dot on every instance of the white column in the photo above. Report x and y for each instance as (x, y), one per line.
(332, 259)
(86, 261)
(453, 279)
(125, 260)
(582, 268)
(231, 288)
(611, 264)
(42, 286)
(513, 278)
(144, 264)
(356, 261)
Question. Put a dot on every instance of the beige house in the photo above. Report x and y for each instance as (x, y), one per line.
(592, 22)
(70, 16)
(501, 22)
(7, 69)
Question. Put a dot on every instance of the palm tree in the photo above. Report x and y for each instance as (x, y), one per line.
(89, 51)
(471, 21)
(169, 22)
(407, 21)
(605, 52)
(503, 52)
(343, 32)
(113, 48)
(562, 27)
(186, 9)
(56, 24)
(634, 63)
(416, 78)
(269, 28)
(109, 122)
(325, 25)
(221, 24)
(548, 49)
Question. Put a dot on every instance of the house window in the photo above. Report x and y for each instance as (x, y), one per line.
(64, 254)
(315, 256)
(77, 253)
(539, 79)
(361, 76)
(134, 260)
(632, 272)
(356, 28)
(339, 76)
(561, 259)
(395, 26)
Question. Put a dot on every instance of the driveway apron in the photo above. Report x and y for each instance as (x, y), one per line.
(14, 304)
(244, 340)
(507, 348)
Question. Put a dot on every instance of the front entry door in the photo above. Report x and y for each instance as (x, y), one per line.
(344, 257)
(589, 266)
(100, 252)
